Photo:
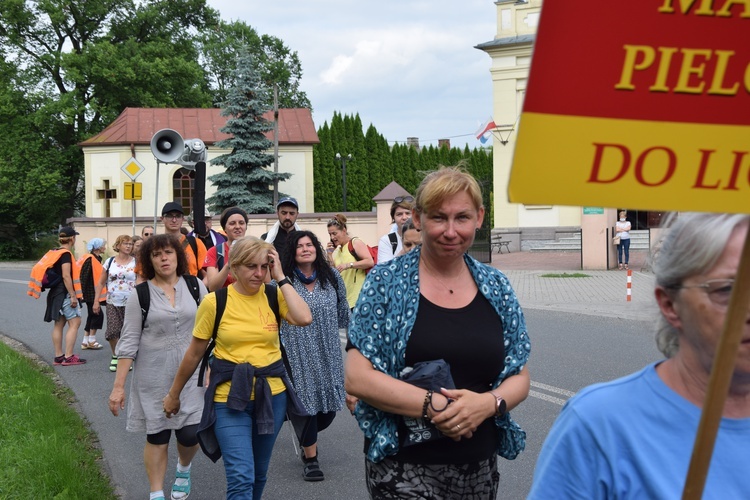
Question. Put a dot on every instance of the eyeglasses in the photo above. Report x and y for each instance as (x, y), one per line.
(407, 199)
(174, 216)
(718, 291)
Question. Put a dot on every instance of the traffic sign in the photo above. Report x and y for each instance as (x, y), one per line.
(132, 168)
(133, 190)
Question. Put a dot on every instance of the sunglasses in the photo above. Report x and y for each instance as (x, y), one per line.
(407, 199)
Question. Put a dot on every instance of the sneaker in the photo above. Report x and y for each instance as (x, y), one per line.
(73, 360)
(58, 360)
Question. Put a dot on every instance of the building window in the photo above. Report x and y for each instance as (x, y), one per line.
(183, 185)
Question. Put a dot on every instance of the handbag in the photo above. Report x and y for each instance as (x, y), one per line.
(429, 375)
(616, 240)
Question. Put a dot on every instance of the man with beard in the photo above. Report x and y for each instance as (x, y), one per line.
(287, 209)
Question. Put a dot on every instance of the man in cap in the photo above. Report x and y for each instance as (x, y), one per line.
(172, 216)
(287, 210)
(211, 238)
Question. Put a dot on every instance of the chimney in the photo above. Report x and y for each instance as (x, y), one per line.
(413, 142)
(444, 143)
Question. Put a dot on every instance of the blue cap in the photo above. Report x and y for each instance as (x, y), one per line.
(288, 200)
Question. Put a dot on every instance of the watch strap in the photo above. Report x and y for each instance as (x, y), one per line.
(284, 281)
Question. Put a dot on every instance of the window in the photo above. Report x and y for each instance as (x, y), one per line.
(183, 186)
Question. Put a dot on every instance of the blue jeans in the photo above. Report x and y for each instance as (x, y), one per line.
(624, 246)
(246, 453)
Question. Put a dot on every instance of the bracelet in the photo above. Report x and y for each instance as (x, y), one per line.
(427, 403)
(284, 281)
(447, 402)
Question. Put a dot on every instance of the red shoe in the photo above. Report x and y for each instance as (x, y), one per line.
(59, 360)
(73, 360)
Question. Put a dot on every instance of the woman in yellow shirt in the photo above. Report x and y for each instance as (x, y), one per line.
(247, 398)
(353, 268)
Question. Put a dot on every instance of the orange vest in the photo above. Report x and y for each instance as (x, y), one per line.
(96, 270)
(49, 260)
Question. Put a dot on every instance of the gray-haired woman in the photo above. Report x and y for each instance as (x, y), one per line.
(633, 437)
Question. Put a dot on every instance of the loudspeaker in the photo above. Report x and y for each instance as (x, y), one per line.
(167, 145)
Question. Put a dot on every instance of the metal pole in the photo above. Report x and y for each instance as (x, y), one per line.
(343, 168)
(134, 218)
(156, 194)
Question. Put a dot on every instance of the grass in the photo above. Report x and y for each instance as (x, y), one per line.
(565, 275)
(46, 449)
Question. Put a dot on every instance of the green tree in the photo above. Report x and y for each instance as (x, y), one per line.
(275, 63)
(245, 181)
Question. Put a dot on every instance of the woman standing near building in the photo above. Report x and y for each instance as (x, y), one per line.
(622, 229)
(91, 273)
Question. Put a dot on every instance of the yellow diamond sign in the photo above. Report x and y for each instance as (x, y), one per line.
(132, 168)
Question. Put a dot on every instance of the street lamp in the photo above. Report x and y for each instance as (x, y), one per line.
(343, 160)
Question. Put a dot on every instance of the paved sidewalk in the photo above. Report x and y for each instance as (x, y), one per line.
(600, 293)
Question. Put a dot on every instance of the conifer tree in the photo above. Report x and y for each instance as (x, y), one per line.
(246, 181)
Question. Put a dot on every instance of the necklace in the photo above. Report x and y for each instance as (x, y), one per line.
(450, 290)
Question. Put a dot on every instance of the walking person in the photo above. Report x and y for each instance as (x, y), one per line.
(622, 229)
(155, 348)
(433, 305)
(246, 399)
(314, 351)
(391, 244)
(117, 281)
(211, 238)
(287, 210)
(91, 273)
(410, 236)
(234, 222)
(352, 270)
(63, 296)
(172, 215)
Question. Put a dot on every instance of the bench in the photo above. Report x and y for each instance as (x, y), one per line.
(499, 243)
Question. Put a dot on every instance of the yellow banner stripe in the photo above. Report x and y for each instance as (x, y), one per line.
(572, 160)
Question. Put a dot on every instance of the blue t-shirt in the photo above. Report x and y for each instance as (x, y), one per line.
(633, 438)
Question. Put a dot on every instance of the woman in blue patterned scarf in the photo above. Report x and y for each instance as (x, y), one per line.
(436, 302)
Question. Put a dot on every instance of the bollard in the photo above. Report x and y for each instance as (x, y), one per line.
(630, 284)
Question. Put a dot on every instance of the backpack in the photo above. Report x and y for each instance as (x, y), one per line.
(220, 256)
(394, 242)
(144, 295)
(373, 252)
(221, 304)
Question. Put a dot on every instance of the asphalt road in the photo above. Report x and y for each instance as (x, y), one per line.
(569, 351)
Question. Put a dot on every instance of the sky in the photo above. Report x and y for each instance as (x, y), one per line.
(408, 67)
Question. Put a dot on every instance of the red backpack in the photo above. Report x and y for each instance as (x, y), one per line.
(373, 252)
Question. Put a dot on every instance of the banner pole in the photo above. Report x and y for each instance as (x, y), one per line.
(721, 377)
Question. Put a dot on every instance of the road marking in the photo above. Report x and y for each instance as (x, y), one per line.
(15, 281)
(545, 397)
(550, 388)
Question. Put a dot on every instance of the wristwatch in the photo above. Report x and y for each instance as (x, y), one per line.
(285, 281)
(351, 265)
(500, 405)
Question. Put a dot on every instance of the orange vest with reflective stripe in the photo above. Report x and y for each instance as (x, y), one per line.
(49, 260)
(96, 270)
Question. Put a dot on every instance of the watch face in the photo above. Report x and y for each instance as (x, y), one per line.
(501, 406)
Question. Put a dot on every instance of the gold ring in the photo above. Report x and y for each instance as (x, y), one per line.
(458, 427)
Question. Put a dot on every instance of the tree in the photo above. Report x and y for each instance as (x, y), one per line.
(245, 181)
(275, 63)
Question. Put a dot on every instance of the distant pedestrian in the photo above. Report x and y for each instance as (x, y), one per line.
(210, 238)
(117, 281)
(172, 215)
(62, 298)
(155, 348)
(314, 351)
(622, 229)
(390, 244)
(137, 242)
(410, 236)
(234, 222)
(91, 273)
(147, 232)
(352, 269)
(287, 210)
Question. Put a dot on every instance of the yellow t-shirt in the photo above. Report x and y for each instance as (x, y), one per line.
(353, 278)
(248, 333)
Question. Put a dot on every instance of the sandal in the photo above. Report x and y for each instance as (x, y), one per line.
(312, 470)
(619, 267)
(181, 488)
(92, 345)
(626, 266)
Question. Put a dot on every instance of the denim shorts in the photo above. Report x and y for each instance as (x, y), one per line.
(68, 311)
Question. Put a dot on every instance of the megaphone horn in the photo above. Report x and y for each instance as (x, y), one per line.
(167, 145)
